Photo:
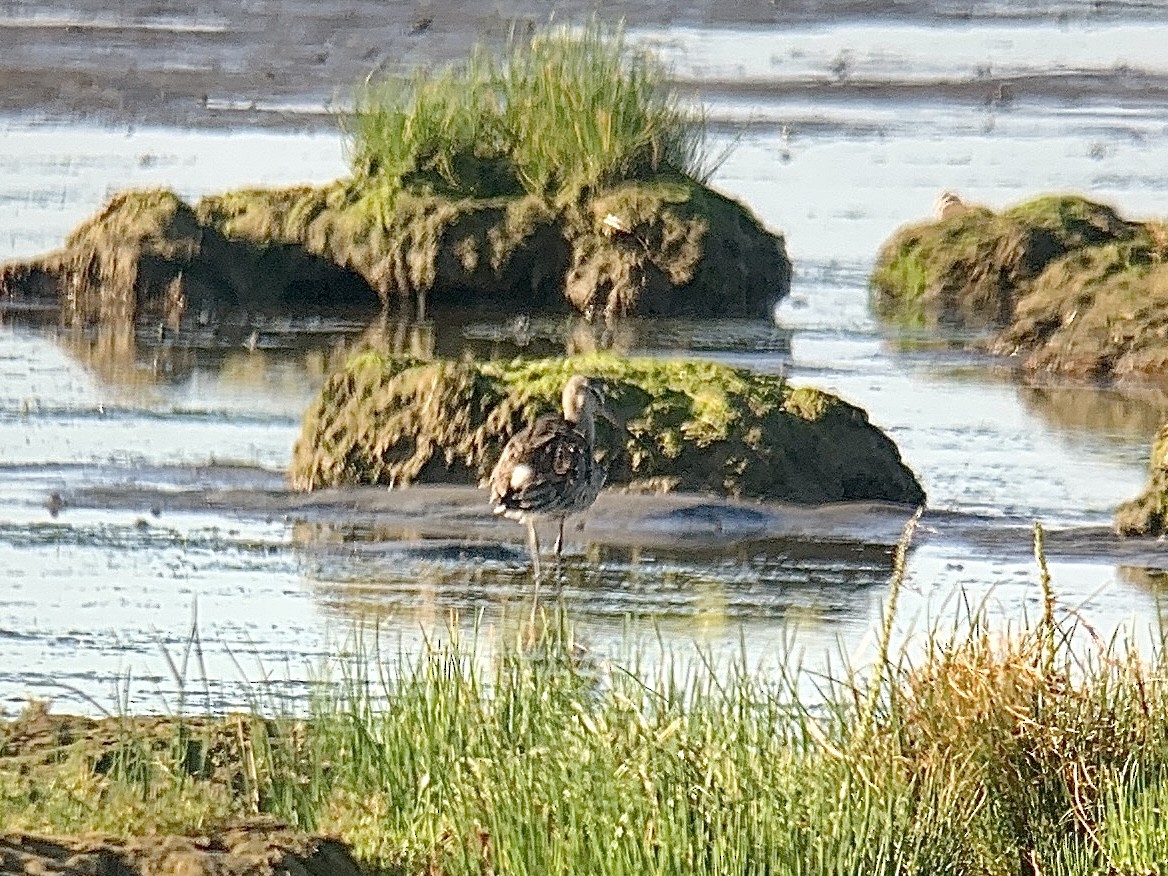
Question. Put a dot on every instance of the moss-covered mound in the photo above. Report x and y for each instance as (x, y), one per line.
(690, 425)
(1147, 514)
(149, 253)
(671, 247)
(1062, 281)
(136, 833)
(681, 249)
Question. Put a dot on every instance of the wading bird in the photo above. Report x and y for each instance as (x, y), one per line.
(948, 204)
(548, 469)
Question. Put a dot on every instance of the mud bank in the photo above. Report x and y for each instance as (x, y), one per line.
(254, 850)
(1147, 513)
(289, 64)
(691, 425)
(441, 520)
(37, 747)
(1060, 283)
(683, 250)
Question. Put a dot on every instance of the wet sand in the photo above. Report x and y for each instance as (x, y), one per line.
(673, 521)
(440, 518)
(294, 64)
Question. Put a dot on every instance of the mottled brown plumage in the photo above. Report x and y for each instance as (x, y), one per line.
(549, 467)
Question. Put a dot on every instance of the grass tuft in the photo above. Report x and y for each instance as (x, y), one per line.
(564, 112)
(1023, 752)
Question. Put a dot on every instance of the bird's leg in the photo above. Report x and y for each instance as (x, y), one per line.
(533, 539)
(533, 543)
(560, 539)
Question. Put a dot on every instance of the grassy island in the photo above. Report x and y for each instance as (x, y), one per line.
(1063, 283)
(1060, 283)
(564, 174)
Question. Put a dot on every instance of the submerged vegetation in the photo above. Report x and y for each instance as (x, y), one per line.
(564, 174)
(1062, 282)
(691, 425)
(1039, 750)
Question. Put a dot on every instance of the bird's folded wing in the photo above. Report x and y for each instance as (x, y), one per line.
(540, 468)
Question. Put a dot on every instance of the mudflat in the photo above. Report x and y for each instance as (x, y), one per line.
(295, 63)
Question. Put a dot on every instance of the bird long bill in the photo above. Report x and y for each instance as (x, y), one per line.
(611, 417)
(603, 410)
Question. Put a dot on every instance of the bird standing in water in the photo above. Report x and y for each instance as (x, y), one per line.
(548, 468)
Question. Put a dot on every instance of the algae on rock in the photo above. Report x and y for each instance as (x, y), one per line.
(1062, 281)
(691, 425)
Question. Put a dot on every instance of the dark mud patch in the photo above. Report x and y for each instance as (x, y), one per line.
(445, 522)
(255, 850)
(678, 522)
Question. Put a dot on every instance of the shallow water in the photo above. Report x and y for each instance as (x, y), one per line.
(93, 591)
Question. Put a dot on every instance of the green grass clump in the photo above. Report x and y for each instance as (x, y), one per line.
(565, 111)
(986, 754)
(692, 425)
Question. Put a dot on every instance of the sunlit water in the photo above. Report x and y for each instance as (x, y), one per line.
(95, 596)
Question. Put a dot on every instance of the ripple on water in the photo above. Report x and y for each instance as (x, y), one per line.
(103, 590)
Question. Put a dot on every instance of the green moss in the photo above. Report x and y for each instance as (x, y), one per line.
(699, 425)
(268, 216)
(1071, 221)
(919, 270)
(810, 404)
(902, 279)
(155, 215)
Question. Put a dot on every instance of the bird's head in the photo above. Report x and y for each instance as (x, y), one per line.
(585, 398)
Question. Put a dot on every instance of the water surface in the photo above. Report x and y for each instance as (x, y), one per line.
(114, 444)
